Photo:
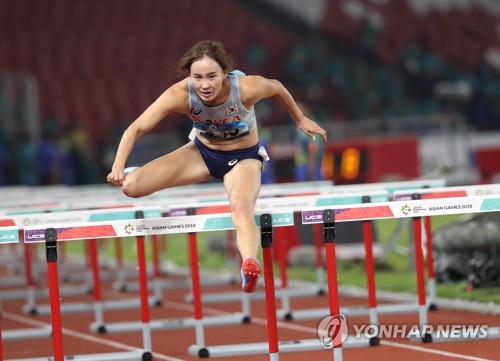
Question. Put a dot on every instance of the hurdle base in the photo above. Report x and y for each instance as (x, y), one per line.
(374, 341)
(137, 355)
(169, 324)
(166, 284)
(76, 307)
(261, 348)
(319, 313)
(27, 334)
(237, 296)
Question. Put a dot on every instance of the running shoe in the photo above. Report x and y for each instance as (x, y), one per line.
(250, 272)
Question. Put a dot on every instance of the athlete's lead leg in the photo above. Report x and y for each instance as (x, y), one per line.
(242, 185)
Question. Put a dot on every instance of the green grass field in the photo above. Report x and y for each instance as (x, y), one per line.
(394, 274)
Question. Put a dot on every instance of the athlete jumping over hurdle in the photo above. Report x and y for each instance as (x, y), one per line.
(224, 141)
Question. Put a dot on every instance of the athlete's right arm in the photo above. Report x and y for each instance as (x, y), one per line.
(174, 99)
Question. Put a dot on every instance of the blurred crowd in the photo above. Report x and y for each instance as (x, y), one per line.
(62, 156)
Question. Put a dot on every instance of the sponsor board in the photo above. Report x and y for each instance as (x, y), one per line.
(404, 209)
(9, 235)
(144, 227)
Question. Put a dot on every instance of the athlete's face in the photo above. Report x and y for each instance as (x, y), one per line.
(207, 78)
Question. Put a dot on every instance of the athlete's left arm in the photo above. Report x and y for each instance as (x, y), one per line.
(254, 88)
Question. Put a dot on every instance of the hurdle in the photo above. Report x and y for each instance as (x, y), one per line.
(273, 346)
(364, 189)
(414, 209)
(78, 217)
(50, 238)
(12, 215)
(441, 192)
(373, 310)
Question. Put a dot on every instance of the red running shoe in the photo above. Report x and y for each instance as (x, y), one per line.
(250, 272)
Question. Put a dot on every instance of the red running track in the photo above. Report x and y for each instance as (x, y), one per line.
(173, 344)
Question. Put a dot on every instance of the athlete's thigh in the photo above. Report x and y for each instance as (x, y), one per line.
(183, 166)
(244, 180)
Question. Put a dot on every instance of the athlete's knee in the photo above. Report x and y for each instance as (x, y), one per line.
(242, 211)
(130, 189)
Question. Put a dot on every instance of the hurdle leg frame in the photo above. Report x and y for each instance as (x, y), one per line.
(329, 238)
(196, 291)
(98, 309)
(30, 284)
(55, 311)
(431, 274)
(141, 260)
(370, 273)
(420, 272)
(266, 232)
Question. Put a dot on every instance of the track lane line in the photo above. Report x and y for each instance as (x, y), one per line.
(84, 336)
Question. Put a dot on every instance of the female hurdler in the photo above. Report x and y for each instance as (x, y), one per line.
(224, 141)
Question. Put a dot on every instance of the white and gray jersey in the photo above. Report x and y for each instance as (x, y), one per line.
(230, 120)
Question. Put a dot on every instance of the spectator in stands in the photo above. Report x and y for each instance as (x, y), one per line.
(49, 157)
(225, 142)
(308, 156)
(256, 56)
(25, 159)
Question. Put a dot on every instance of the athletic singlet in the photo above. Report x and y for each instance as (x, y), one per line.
(226, 121)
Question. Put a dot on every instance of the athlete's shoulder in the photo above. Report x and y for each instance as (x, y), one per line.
(252, 83)
(176, 97)
(256, 87)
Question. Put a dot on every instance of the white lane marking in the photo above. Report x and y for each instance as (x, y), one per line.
(77, 334)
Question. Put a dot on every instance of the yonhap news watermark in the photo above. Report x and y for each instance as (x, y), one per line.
(334, 330)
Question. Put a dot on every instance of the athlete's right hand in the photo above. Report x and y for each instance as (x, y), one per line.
(116, 177)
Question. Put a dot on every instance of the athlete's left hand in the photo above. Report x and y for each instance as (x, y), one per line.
(310, 128)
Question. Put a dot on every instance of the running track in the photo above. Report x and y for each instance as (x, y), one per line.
(173, 345)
